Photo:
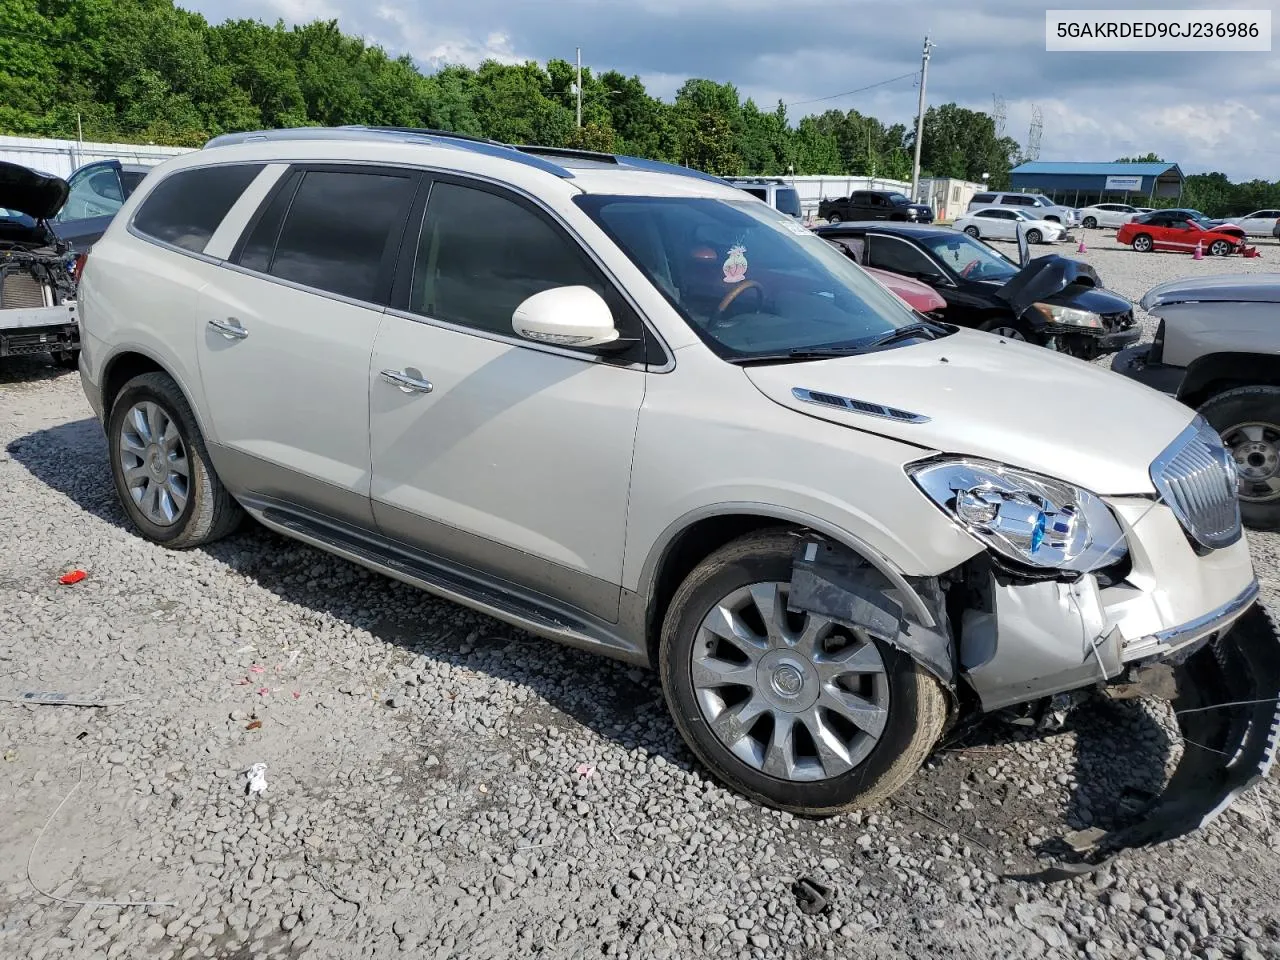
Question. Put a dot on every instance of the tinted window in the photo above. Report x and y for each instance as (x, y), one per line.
(261, 242)
(788, 201)
(898, 256)
(93, 193)
(480, 256)
(983, 198)
(130, 180)
(339, 230)
(1019, 201)
(756, 192)
(186, 207)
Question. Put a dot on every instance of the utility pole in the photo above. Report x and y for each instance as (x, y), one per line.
(924, 76)
(579, 85)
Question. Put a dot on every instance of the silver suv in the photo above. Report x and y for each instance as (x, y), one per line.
(1036, 204)
(620, 405)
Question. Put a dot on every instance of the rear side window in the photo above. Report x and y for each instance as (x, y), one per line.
(339, 232)
(757, 193)
(787, 201)
(186, 207)
(983, 198)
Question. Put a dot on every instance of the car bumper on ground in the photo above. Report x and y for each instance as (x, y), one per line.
(1134, 364)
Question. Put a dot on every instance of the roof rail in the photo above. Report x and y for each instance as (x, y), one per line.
(490, 148)
(534, 156)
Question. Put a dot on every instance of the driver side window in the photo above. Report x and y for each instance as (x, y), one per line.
(899, 256)
(94, 193)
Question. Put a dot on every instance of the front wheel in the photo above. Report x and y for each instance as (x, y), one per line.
(1142, 243)
(792, 710)
(972, 231)
(161, 468)
(1034, 236)
(833, 218)
(1219, 248)
(1248, 419)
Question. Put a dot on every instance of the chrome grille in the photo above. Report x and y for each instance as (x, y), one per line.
(1197, 479)
(20, 290)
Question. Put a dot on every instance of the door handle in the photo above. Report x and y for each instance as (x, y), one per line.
(410, 381)
(229, 328)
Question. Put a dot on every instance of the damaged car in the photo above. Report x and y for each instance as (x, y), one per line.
(1051, 301)
(1217, 349)
(621, 405)
(37, 269)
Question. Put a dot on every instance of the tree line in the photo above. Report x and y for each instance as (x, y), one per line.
(147, 71)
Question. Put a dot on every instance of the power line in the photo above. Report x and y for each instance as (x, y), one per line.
(847, 93)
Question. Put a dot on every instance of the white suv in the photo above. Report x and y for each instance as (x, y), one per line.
(623, 406)
(1036, 204)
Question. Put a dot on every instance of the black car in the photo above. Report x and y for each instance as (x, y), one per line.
(98, 190)
(874, 205)
(1052, 301)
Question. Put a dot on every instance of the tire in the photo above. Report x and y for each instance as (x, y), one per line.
(834, 218)
(908, 701)
(972, 231)
(1248, 418)
(1090, 223)
(1008, 328)
(1142, 243)
(205, 511)
(1034, 236)
(1220, 248)
(67, 359)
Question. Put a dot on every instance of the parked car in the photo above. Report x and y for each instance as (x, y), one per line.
(1173, 230)
(874, 205)
(776, 192)
(918, 296)
(96, 191)
(1001, 223)
(1260, 223)
(1106, 215)
(618, 404)
(1217, 349)
(1036, 204)
(1051, 301)
(37, 270)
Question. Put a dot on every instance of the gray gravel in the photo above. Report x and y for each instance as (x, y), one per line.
(424, 797)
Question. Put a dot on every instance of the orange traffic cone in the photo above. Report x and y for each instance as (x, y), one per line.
(1199, 254)
(1081, 248)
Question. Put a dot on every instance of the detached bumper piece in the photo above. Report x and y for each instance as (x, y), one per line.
(1228, 708)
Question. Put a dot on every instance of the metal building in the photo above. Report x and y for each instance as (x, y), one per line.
(1080, 184)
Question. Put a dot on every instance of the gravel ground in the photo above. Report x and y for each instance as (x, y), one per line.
(440, 785)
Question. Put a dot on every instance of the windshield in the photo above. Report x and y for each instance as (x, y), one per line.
(749, 280)
(788, 201)
(1043, 201)
(1024, 215)
(969, 257)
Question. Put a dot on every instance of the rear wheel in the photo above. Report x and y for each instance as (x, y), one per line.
(1090, 223)
(1142, 243)
(792, 710)
(833, 218)
(972, 231)
(161, 468)
(1248, 418)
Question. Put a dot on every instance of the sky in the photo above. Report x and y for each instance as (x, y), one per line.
(1205, 111)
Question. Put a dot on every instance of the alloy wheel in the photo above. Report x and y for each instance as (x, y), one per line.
(1255, 447)
(1009, 333)
(153, 462)
(795, 696)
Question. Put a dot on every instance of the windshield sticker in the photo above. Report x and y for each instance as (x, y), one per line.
(799, 229)
(735, 266)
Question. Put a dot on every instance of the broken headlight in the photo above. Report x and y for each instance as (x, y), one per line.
(1026, 517)
(1068, 316)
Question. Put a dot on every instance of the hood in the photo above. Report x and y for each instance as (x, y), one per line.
(38, 195)
(1007, 401)
(1224, 287)
(919, 296)
(1044, 277)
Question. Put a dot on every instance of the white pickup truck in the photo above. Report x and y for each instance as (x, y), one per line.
(37, 270)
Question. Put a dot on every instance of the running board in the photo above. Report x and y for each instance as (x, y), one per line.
(504, 602)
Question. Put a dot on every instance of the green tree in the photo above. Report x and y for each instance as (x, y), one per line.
(1145, 158)
(962, 143)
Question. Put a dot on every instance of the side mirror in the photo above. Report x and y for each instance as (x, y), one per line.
(565, 317)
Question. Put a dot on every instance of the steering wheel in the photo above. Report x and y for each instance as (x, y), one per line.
(968, 268)
(718, 319)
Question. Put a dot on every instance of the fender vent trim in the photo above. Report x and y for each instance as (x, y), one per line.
(857, 406)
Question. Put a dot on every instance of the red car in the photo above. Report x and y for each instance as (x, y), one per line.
(1181, 230)
(919, 296)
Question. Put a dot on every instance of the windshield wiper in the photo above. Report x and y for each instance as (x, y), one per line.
(906, 333)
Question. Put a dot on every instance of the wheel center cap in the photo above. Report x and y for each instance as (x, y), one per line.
(155, 462)
(788, 680)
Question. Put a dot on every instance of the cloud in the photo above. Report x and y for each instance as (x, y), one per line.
(1205, 111)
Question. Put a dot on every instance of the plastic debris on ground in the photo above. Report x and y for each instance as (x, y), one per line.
(257, 778)
(73, 576)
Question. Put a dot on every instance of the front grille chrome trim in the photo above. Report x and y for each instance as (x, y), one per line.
(1196, 477)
